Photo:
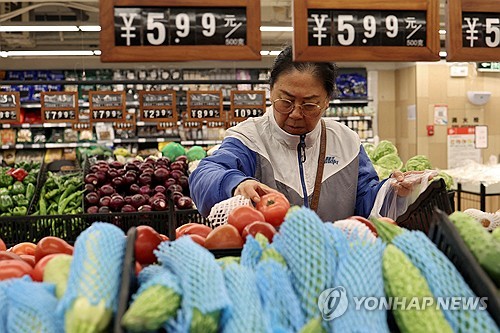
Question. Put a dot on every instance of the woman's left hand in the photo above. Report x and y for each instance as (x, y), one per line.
(403, 186)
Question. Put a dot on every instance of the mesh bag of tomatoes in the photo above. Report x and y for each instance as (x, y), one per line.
(244, 220)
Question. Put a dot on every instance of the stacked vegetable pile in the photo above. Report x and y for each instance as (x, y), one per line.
(61, 194)
(138, 185)
(17, 188)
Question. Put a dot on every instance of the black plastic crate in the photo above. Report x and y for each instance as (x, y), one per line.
(447, 238)
(419, 214)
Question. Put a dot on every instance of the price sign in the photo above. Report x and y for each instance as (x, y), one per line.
(366, 30)
(473, 30)
(128, 124)
(107, 106)
(10, 107)
(192, 124)
(205, 105)
(158, 106)
(81, 126)
(59, 106)
(171, 30)
(164, 125)
(245, 104)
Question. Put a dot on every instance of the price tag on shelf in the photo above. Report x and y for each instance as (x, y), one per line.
(10, 107)
(245, 104)
(129, 124)
(158, 106)
(205, 106)
(197, 30)
(81, 126)
(364, 30)
(164, 125)
(59, 106)
(107, 106)
(192, 124)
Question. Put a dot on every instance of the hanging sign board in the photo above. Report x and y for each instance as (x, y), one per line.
(10, 107)
(59, 106)
(172, 30)
(472, 30)
(107, 106)
(247, 103)
(462, 146)
(205, 106)
(366, 30)
(158, 106)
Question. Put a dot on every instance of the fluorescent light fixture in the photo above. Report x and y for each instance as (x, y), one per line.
(29, 28)
(443, 54)
(48, 53)
(276, 28)
(89, 28)
(442, 32)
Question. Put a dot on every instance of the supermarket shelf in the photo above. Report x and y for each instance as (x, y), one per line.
(350, 117)
(125, 82)
(45, 125)
(350, 101)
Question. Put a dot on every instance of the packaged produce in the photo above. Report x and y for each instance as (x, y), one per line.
(8, 136)
(24, 135)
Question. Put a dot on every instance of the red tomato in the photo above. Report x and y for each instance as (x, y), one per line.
(2, 245)
(180, 230)
(146, 242)
(138, 268)
(196, 229)
(366, 222)
(7, 255)
(29, 259)
(224, 237)
(50, 245)
(37, 274)
(14, 269)
(198, 239)
(274, 206)
(242, 216)
(164, 238)
(264, 228)
(24, 248)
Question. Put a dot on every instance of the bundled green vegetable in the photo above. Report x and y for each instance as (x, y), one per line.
(390, 161)
(418, 163)
(61, 194)
(195, 153)
(480, 242)
(383, 148)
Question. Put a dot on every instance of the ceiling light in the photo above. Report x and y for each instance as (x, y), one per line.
(29, 28)
(48, 53)
(276, 29)
(90, 28)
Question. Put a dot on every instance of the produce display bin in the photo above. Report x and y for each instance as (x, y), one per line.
(447, 238)
(419, 214)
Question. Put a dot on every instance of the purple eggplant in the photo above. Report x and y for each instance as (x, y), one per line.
(104, 209)
(174, 188)
(145, 179)
(91, 178)
(160, 189)
(159, 205)
(161, 174)
(144, 208)
(145, 189)
(184, 203)
(116, 203)
(106, 190)
(92, 198)
(93, 210)
(116, 165)
(128, 209)
(89, 188)
(176, 174)
(118, 182)
(138, 200)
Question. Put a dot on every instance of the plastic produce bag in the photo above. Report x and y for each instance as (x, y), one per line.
(389, 204)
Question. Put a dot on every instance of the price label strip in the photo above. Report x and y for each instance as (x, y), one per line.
(59, 106)
(473, 30)
(356, 30)
(107, 106)
(165, 125)
(158, 106)
(205, 106)
(80, 126)
(10, 107)
(200, 30)
(246, 104)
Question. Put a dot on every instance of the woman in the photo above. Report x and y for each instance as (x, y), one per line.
(280, 151)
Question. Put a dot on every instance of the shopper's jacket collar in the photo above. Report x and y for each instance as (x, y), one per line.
(291, 140)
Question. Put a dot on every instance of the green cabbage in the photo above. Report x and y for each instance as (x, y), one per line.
(383, 148)
(390, 161)
(382, 172)
(369, 148)
(196, 153)
(173, 150)
(446, 177)
(418, 163)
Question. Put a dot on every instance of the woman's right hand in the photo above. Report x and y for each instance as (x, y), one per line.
(253, 190)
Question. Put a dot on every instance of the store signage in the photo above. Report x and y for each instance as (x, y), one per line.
(172, 30)
(366, 30)
(192, 124)
(165, 125)
(484, 66)
(128, 124)
(158, 106)
(245, 104)
(473, 30)
(81, 126)
(462, 146)
(10, 108)
(107, 106)
(205, 106)
(59, 106)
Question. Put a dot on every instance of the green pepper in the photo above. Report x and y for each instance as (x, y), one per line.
(6, 202)
(6, 180)
(3, 191)
(6, 214)
(51, 194)
(19, 211)
(18, 188)
(30, 179)
(30, 191)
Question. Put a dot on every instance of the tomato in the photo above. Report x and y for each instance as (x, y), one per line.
(264, 228)
(24, 248)
(198, 239)
(224, 237)
(2, 245)
(30, 259)
(147, 240)
(242, 216)
(274, 206)
(14, 269)
(180, 230)
(366, 222)
(7, 255)
(37, 274)
(196, 229)
(164, 238)
(50, 245)
(138, 268)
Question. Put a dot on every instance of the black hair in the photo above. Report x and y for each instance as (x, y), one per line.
(325, 71)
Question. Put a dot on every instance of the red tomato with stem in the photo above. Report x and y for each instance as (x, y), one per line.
(274, 206)
(50, 245)
(263, 228)
(224, 237)
(242, 216)
(147, 240)
(10, 269)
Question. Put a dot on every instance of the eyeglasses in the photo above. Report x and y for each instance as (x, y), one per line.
(309, 110)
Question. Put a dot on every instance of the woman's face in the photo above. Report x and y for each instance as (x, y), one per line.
(299, 88)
